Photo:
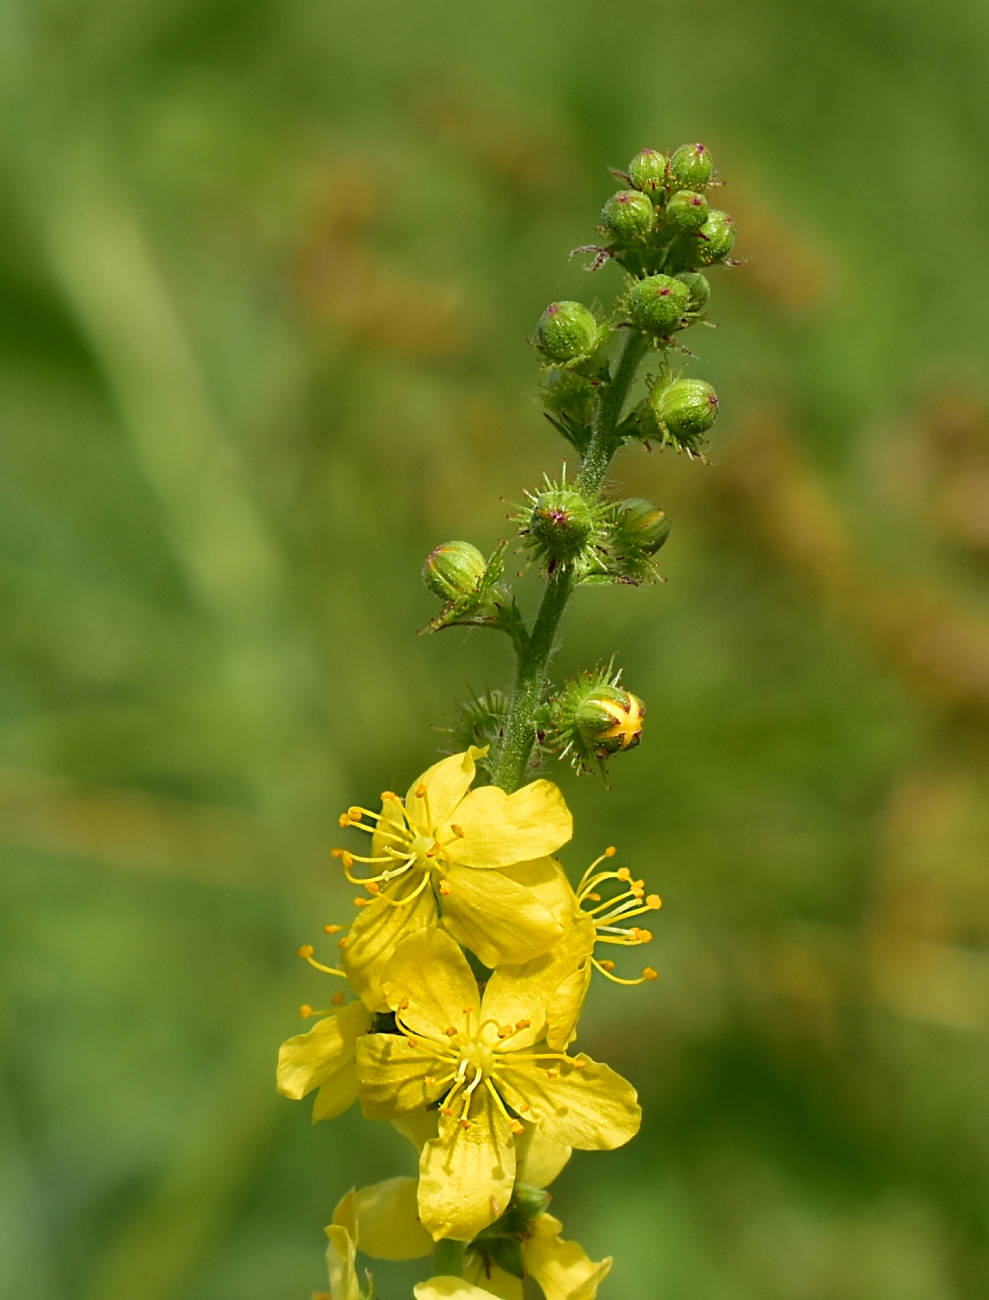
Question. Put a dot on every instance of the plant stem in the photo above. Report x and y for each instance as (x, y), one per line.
(530, 674)
(448, 1258)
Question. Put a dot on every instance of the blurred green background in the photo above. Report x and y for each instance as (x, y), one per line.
(267, 271)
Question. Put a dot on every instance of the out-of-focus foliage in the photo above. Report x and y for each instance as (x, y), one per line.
(266, 275)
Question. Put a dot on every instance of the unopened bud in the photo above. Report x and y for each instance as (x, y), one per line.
(640, 527)
(691, 166)
(686, 210)
(628, 216)
(530, 1201)
(657, 303)
(453, 570)
(567, 330)
(562, 521)
(687, 409)
(565, 391)
(647, 172)
(716, 238)
(610, 720)
(698, 288)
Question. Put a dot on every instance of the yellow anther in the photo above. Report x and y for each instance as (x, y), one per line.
(403, 1005)
(305, 1011)
(522, 1024)
(445, 888)
(420, 791)
(361, 902)
(373, 887)
(623, 873)
(450, 1032)
(457, 830)
(504, 1031)
(342, 943)
(388, 794)
(517, 1128)
(607, 965)
(468, 1011)
(523, 1107)
(428, 1080)
(465, 1123)
(654, 901)
(332, 929)
(552, 1074)
(610, 851)
(337, 999)
(355, 814)
(649, 974)
(643, 936)
(306, 951)
(344, 820)
(595, 898)
(580, 1065)
(412, 1042)
(346, 859)
(336, 853)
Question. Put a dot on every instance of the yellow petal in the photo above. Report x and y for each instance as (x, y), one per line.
(565, 1006)
(496, 918)
(340, 1256)
(449, 1288)
(309, 1060)
(560, 1267)
(591, 1108)
(548, 881)
(527, 991)
(345, 1214)
(336, 1095)
(391, 1076)
(378, 931)
(388, 1224)
(497, 1282)
(446, 784)
(429, 979)
(418, 1126)
(466, 1174)
(539, 1158)
(500, 829)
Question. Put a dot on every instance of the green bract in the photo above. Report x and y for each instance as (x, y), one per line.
(628, 216)
(657, 303)
(567, 331)
(686, 210)
(453, 569)
(647, 172)
(691, 166)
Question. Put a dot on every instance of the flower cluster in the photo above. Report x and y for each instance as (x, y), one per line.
(471, 955)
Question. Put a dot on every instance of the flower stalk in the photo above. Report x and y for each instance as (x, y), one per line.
(470, 953)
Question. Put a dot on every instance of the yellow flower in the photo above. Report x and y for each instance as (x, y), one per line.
(479, 1058)
(382, 1221)
(476, 856)
(324, 1059)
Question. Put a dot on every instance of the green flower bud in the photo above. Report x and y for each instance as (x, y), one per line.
(686, 210)
(628, 216)
(561, 521)
(716, 238)
(698, 287)
(567, 330)
(453, 570)
(686, 409)
(530, 1201)
(657, 303)
(647, 172)
(640, 527)
(610, 720)
(691, 167)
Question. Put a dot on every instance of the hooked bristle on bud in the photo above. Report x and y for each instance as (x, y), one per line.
(691, 167)
(567, 331)
(628, 217)
(647, 172)
(657, 303)
(686, 210)
(452, 570)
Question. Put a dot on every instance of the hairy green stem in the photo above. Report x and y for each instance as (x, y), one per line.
(530, 674)
(448, 1258)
